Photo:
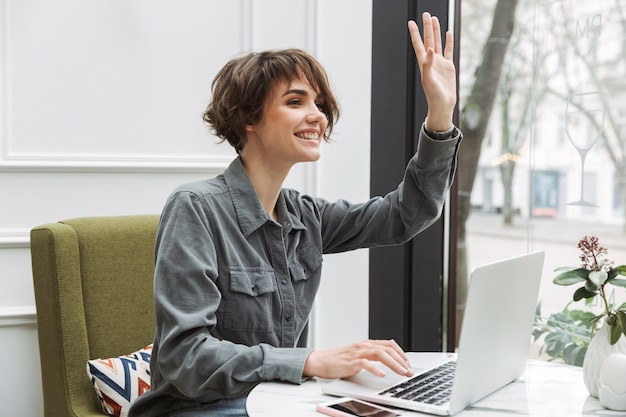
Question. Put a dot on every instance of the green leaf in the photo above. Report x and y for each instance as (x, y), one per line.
(617, 282)
(571, 277)
(598, 277)
(583, 292)
(621, 316)
(581, 316)
(580, 356)
(556, 343)
(620, 269)
(595, 320)
(567, 353)
(568, 268)
(574, 354)
(591, 286)
(613, 273)
(616, 330)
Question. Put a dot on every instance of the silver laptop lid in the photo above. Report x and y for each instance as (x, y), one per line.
(497, 327)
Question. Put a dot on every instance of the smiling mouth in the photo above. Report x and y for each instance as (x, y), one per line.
(308, 135)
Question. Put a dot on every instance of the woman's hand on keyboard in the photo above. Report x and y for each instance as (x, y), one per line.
(350, 360)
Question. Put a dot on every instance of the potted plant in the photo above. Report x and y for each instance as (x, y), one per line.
(594, 274)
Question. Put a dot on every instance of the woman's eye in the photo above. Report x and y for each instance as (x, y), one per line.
(294, 102)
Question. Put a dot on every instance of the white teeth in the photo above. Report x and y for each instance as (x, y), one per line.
(307, 135)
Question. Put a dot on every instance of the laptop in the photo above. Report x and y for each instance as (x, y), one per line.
(493, 346)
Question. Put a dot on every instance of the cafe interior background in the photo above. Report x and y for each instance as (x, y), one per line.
(101, 115)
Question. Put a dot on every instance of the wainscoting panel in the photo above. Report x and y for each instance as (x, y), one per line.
(20, 387)
(112, 82)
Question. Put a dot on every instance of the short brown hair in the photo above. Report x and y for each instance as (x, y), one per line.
(240, 90)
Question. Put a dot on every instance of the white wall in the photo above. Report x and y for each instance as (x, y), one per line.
(101, 105)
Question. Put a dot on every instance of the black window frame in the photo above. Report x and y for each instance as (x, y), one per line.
(408, 286)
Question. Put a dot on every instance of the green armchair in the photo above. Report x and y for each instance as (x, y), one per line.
(93, 280)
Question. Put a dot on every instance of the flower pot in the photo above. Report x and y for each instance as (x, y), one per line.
(599, 348)
(612, 384)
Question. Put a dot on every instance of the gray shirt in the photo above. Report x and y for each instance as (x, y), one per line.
(234, 289)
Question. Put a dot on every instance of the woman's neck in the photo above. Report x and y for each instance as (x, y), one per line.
(267, 181)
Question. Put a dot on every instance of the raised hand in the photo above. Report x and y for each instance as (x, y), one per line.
(437, 71)
(350, 360)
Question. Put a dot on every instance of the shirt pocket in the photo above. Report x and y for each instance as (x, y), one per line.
(248, 304)
(306, 264)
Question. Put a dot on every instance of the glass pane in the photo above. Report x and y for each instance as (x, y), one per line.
(543, 111)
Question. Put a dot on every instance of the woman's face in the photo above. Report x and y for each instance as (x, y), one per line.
(292, 127)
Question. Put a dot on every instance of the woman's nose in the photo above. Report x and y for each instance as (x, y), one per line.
(316, 115)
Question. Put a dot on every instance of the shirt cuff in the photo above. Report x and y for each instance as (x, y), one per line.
(284, 364)
(448, 134)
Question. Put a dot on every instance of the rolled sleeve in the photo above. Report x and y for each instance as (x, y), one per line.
(284, 364)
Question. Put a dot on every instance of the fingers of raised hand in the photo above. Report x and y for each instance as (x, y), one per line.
(448, 51)
(431, 38)
(416, 39)
(436, 34)
(432, 33)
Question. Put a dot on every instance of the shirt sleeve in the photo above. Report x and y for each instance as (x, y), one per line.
(186, 355)
(397, 217)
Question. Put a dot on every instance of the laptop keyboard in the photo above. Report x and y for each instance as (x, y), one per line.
(431, 387)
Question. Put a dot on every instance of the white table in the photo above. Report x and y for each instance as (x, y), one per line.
(546, 389)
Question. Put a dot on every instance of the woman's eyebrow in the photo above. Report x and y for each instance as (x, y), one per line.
(295, 91)
(299, 93)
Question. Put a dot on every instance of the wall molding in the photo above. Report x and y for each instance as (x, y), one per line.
(105, 164)
(18, 316)
(247, 28)
(14, 239)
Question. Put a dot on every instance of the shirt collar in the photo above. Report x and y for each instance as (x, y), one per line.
(250, 213)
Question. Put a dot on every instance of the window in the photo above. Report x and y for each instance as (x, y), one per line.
(543, 97)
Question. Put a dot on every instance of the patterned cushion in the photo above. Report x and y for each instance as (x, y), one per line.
(119, 381)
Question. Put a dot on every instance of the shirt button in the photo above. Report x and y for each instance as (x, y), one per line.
(288, 318)
(284, 282)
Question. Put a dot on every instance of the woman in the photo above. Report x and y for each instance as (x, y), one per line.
(238, 257)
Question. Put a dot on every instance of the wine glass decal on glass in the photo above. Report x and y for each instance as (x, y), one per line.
(584, 124)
